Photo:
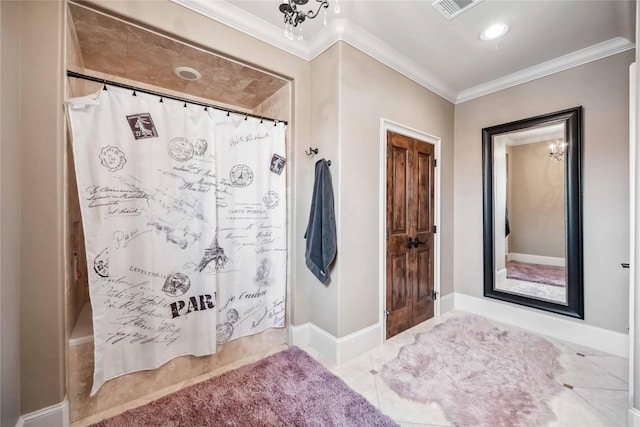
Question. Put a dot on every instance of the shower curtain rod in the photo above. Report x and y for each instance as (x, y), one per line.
(164, 95)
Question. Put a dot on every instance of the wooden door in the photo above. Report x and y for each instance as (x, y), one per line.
(410, 232)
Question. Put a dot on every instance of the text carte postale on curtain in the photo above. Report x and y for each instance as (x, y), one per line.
(250, 159)
(149, 196)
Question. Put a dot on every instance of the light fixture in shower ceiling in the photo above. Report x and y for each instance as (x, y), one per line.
(294, 16)
(494, 32)
(188, 73)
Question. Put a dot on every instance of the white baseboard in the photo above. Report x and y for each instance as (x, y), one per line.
(501, 275)
(300, 335)
(537, 259)
(447, 303)
(52, 416)
(336, 350)
(547, 324)
(633, 418)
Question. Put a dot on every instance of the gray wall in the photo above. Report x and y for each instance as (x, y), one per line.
(602, 88)
(370, 91)
(537, 202)
(42, 234)
(10, 17)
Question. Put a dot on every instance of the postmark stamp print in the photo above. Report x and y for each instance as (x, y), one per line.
(101, 263)
(200, 147)
(112, 158)
(180, 149)
(142, 126)
(271, 199)
(277, 164)
(241, 175)
(263, 273)
(176, 284)
(233, 316)
(224, 331)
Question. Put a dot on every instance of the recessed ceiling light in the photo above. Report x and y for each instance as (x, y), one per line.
(187, 73)
(494, 32)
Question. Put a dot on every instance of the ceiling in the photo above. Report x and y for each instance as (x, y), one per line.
(535, 134)
(116, 48)
(448, 57)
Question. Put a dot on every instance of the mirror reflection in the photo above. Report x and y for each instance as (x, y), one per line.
(532, 212)
(529, 210)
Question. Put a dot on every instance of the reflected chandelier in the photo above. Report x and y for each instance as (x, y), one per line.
(293, 16)
(556, 150)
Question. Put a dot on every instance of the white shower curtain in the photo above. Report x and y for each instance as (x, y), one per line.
(184, 214)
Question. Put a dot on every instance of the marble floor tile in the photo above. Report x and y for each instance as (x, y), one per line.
(571, 348)
(403, 424)
(599, 396)
(582, 372)
(616, 366)
(405, 410)
(612, 404)
(571, 410)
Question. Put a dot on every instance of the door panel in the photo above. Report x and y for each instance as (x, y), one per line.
(425, 188)
(400, 290)
(423, 304)
(410, 215)
(399, 184)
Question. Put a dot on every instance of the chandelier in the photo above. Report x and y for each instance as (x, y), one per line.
(556, 150)
(294, 16)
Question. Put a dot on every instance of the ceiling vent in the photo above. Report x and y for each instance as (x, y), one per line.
(452, 8)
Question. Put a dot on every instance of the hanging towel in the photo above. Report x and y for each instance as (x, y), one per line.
(507, 228)
(321, 231)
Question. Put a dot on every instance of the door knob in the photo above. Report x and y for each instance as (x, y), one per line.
(411, 242)
(417, 242)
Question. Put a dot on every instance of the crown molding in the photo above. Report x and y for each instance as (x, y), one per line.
(336, 30)
(241, 20)
(364, 41)
(347, 31)
(562, 63)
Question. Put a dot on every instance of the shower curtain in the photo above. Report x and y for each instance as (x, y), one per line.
(184, 214)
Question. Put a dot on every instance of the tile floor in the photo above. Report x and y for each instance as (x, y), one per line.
(537, 290)
(598, 398)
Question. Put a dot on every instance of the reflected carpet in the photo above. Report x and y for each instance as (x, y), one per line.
(480, 375)
(536, 273)
(286, 389)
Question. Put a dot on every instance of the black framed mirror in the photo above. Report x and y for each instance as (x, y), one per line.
(532, 212)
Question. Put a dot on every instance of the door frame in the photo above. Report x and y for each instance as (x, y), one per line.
(388, 125)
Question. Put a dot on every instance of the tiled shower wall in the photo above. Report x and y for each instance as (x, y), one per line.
(80, 358)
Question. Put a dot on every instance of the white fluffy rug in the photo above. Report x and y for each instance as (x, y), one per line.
(480, 375)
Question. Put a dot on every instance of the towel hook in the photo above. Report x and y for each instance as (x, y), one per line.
(312, 152)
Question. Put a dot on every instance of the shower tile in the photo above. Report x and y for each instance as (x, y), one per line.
(137, 384)
(116, 48)
(80, 373)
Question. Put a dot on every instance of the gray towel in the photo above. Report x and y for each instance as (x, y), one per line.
(321, 231)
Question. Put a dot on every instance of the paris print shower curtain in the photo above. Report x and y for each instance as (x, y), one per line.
(184, 215)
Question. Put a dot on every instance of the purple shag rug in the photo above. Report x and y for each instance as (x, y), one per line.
(536, 273)
(286, 389)
(479, 375)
